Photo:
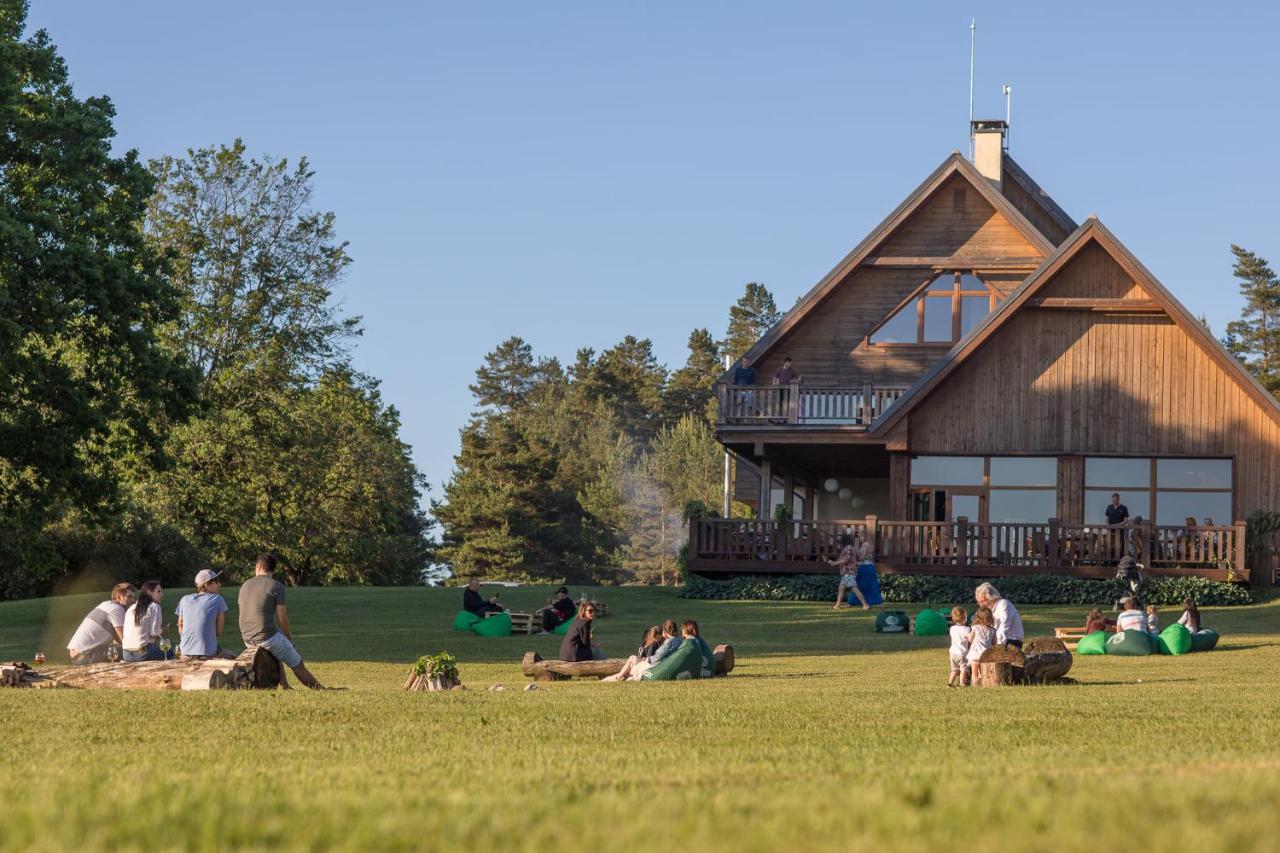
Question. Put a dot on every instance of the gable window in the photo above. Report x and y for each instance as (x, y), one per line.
(943, 311)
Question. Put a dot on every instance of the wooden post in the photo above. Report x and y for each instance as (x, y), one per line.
(721, 402)
(1052, 558)
(868, 404)
(962, 541)
(1148, 543)
(807, 494)
(873, 535)
(1239, 559)
(793, 403)
(766, 490)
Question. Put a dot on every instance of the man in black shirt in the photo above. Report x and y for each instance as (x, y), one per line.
(577, 643)
(744, 373)
(473, 602)
(558, 611)
(1117, 512)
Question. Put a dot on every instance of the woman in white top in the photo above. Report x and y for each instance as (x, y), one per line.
(143, 625)
(1131, 618)
(1190, 618)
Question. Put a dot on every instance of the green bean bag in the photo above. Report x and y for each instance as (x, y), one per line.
(494, 626)
(1092, 644)
(1204, 640)
(892, 622)
(708, 658)
(1174, 640)
(684, 662)
(465, 620)
(1131, 643)
(930, 624)
(563, 627)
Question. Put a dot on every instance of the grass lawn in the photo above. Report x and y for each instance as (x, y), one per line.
(826, 736)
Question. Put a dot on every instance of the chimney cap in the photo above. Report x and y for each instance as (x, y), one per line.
(988, 125)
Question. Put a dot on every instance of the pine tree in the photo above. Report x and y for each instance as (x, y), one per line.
(1255, 337)
(629, 380)
(749, 318)
(689, 392)
(507, 376)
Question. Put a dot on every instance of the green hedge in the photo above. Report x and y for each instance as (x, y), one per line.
(1028, 589)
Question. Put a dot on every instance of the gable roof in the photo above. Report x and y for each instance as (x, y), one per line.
(953, 165)
(1092, 231)
(1042, 198)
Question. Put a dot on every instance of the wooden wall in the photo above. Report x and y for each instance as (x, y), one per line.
(1071, 382)
(828, 345)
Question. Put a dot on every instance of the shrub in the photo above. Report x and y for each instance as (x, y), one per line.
(1027, 589)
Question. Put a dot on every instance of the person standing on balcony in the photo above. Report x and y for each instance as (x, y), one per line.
(784, 378)
(1007, 619)
(847, 563)
(1118, 538)
(744, 375)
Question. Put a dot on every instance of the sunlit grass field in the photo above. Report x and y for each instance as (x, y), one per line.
(826, 736)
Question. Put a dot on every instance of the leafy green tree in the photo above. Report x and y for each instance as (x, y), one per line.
(628, 379)
(256, 266)
(689, 390)
(749, 318)
(1255, 337)
(82, 298)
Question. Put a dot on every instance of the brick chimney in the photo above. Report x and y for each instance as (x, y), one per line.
(988, 147)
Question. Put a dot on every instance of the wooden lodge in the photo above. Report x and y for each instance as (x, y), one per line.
(976, 378)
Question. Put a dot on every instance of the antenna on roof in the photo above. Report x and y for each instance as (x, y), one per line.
(1007, 91)
(973, 36)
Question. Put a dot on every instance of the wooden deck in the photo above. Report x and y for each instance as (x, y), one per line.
(803, 405)
(964, 548)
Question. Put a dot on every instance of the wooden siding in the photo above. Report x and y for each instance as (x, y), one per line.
(941, 228)
(1064, 382)
(1030, 208)
(1071, 489)
(899, 486)
(1093, 274)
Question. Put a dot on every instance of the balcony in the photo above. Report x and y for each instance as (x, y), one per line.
(804, 405)
(963, 547)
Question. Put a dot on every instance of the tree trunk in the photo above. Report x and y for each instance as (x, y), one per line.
(1001, 665)
(724, 659)
(256, 667)
(557, 670)
(1047, 659)
(997, 673)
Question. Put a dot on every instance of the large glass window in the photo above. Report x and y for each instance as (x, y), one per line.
(946, 470)
(942, 311)
(1032, 506)
(1024, 471)
(1168, 491)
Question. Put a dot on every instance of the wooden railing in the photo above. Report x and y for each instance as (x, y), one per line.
(967, 545)
(804, 404)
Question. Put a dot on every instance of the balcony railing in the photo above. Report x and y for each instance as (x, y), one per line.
(747, 405)
(966, 547)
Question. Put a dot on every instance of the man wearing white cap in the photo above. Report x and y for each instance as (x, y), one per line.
(201, 617)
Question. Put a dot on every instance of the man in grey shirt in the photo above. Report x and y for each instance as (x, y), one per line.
(264, 619)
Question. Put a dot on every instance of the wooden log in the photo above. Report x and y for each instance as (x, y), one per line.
(1006, 655)
(557, 670)
(264, 670)
(1047, 659)
(998, 673)
(724, 659)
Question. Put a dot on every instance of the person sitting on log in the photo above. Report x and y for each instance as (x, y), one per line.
(649, 644)
(201, 617)
(144, 625)
(558, 611)
(102, 628)
(473, 601)
(577, 645)
(1131, 618)
(982, 636)
(958, 674)
(1096, 621)
(1007, 619)
(264, 620)
(847, 563)
(1190, 618)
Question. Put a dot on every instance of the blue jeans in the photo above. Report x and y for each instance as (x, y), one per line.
(150, 651)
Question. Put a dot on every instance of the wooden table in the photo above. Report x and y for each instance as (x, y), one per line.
(521, 623)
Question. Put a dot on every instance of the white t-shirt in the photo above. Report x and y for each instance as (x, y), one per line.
(136, 636)
(1008, 621)
(1185, 621)
(92, 633)
(983, 638)
(959, 640)
(1132, 620)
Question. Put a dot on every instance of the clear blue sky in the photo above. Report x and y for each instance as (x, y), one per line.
(573, 173)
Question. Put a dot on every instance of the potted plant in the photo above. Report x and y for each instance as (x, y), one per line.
(434, 672)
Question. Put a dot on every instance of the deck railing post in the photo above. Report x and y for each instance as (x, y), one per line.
(962, 541)
(873, 535)
(1052, 558)
(722, 412)
(793, 404)
(1239, 557)
(868, 404)
(1148, 543)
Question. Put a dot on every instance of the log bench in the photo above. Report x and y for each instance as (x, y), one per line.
(558, 670)
(254, 668)
(1040, 661)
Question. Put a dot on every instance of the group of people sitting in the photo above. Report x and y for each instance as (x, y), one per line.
(657, 644)
(130, 625)
(559, 609)
(1133, 618)
(996, 622)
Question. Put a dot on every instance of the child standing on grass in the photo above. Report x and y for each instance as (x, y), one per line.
(982, 636)
(1153, 620)
(959, 632)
